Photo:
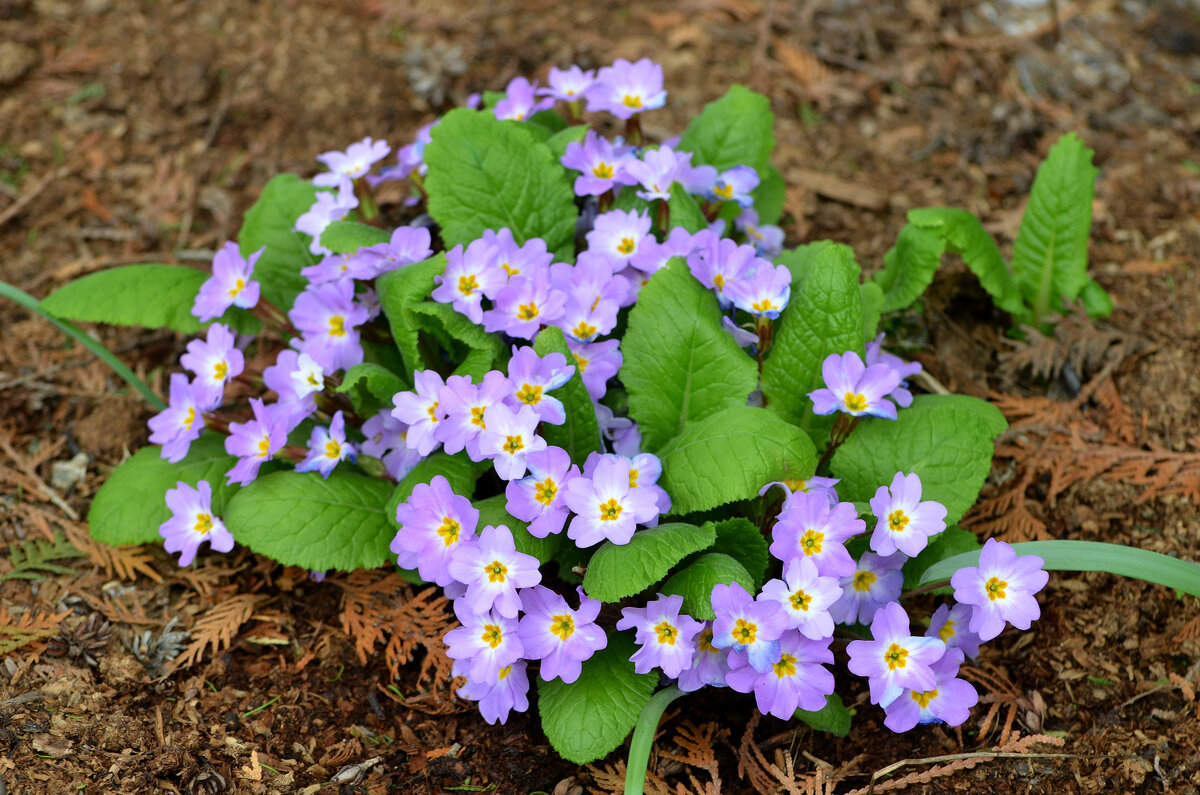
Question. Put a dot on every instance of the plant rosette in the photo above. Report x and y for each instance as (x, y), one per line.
(585, 390)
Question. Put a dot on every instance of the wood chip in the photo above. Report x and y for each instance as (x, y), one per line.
(838, 189)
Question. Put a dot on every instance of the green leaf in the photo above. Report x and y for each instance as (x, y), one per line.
(620, 570)
(872, 306)
(946, 439)
(560, 140)
(346, 237)
(458, 470)
(769, 196)
(399, 291)
(730, 455)
(580, 434)
(1095, 300)
(908, 266)
(696, 580)
(684, 211)
(131, 505)
(628, 200)
(951, 541)
(741, 540)
(152, 296)
(588, 718)
(474, 349)
(493, 511)
(680, 365)
(301, 519)
(735, 130)
(1127, 561)
(487, 174)
(833, 718)
(1050, 253)
(371, 387)
(824, 316)
(270, 223)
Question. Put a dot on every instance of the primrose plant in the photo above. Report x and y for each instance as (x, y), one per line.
(585, 390)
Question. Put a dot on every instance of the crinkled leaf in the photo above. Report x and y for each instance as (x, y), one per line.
(730, 455)
(580, 434)
(734, 130)
(769, 196)
(684, 211)
(302, 519)
(628, 200)
(617, 571)
(951, 541)
(488, 174)
(270, 223)
(475, 350)
(459, 471)
(695, 582)
(590, 717)
(371, 388)
(1050, 253)
(346, 237)
(945, 439)
(833, 718)
(824, 316)
(741, 540)
(493, 511)
(399, 291)
(872, 306)
(131, 504)
(680, 364)
(560, 140)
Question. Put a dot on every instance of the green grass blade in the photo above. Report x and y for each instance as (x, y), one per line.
(71, 330)
(1141, 564)
(643, 738)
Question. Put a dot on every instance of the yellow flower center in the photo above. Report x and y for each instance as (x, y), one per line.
(477, 416)
(724, 191)
(924, 698)
(333, 449)
(863, 580)
(432, 411)
(512, 444)
(449, 530)
(811, 542)
(312, 380)
(796, 485)
(855, 402)
(237, 288)
(744, 631)
(504, 672)
(897, 521)
(190, 418)
(786, 666)
(603, 171)
(704, 642)
(764, 305)
(633, 477)
(753, 232)
(584, 330)
(610, 511)
(527, 311)
(563, 626)
(492, 635)
(546, 491)
(580, 362)
(496, 571)
(627, 245)
(667, 633)
(467, 284)
(264, 447)
(995, 588)
(800, 600)
(719, 281)
(509, 269)
(220, 370)
(632, 101)
(337, 326)
(203, 523)
(947, 631)
(530, 394)
(895, 657)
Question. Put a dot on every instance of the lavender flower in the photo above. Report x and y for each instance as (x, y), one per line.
(192, 522)
(876, 582)
(409, 160)
(735, 185)
(746, 625)
(657, 171)
(470, 276)
(764, 292)
(605, 505)
(805, 597)
(255, 442)
(531, 378)
(327, 447)
(809, 527)
(569, 85)
(214, 361)
(905, 523)
(433, 522)
(894, 660)
(508, 437)
(493, 570)
(327, 316)
(617, 235)
(408, 244)
(540, 498)
(719, 262)
(1000, 589)
(289, 379)
(906, 370)
(484, 645)
(950, 624)
(328, 207)
(666, 636)
(854, 388)
(524, 305)
(798, 679)
(421, 411)
(625, 88)
(519, 102)
(597, 362)
(229, 285)
(710, 665)
(498, 698)
(560, 637)
(351, 164)
(601, 165)
(530, 259)
(180, 423)
(465, 404)
(385, 440)
(949, 700)
(766, 239)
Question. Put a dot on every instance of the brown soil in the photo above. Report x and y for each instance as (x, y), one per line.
(133, 132)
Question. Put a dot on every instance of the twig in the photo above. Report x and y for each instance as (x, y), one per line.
(43, 487)
(11, 211)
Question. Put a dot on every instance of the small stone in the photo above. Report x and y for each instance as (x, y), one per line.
(65, 474)
(15, 60)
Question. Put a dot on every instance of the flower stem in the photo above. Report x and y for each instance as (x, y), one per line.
(843, 426)
(643, 738)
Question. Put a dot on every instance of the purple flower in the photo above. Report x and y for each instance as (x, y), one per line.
(214, 361)
(560, 637)
(949, 701)
(493, 570)
(810, 527)
(385, 441)
(657, 171)
(180, 423)
(854, 388)
(470, 276)
(529, 259)
(894, 660)
(407, 245)
(409, 159)
(600, 164)
(327, 316)
(524, 305)
(904, 523)
(651, 255)
(465, 404)
(1000, 589)
(532, 377)
(508, 437)
(569, 85)
(815, 484)
(764, 292)
(597, 362)
(767, 240)
(497, 698)
(351, 164)
(617, 235)
(433, 522)
(192, 522)
(719, 262)
(327, 447)
(539, 498)
(805, 597)
(664, 635)
(254, 442)
(290, 381)
(735, 185)
(594, 295)
(710, 665)
(625, 88)
(797, 679)
(484, 645)
(606, 506)
(876, 581)
(328, 207)
(951, 625)
(519, 102)
(421, 411)
(698, 180)
(621, 432)
(229, 285)
(906, 370)
(746, 625)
